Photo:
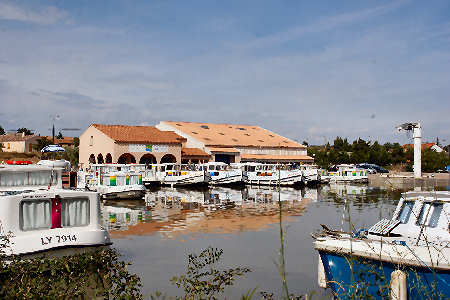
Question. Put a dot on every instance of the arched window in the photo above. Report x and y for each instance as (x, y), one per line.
(148, 159)
(126, 158)
(168, 158)
(92, 159)
(100, 159)
(108, 158)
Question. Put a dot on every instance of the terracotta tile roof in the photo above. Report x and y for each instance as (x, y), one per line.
(424, 145)
(226, 150)
(232, 135)
(64, 140)
(139, 134)
(193, 152)
(15, 137)
(277, 157)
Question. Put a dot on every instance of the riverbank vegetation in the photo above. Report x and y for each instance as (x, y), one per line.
(92, 274)
(390, 155)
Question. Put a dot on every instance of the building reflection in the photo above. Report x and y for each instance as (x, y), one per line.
(173, 212)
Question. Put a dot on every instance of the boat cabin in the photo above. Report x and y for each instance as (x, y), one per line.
(50, 219)
(29, 177)
(422, 214)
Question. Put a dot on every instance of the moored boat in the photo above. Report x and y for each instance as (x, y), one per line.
(118, 185)
(38, 215)
(271, 174)
(224, 174)
(409, 252)
(345, 173)
(182, 175)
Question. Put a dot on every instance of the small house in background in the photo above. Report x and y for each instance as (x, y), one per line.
(234, 143)
(129, 144)
(431, 146)
(18, 142)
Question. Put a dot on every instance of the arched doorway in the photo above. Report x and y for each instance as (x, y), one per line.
(108, 158)
(168, 158)
(148, 159)
(100, 159)
(126, 158)
(92, 159)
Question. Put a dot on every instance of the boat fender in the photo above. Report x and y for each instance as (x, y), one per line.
(321, 276)
(398, 285)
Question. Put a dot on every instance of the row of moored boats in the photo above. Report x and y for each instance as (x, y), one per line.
(129, 180)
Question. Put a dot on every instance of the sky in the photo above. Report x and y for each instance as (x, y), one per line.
(308, 70)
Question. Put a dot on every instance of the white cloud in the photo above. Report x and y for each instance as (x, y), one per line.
(47, 15)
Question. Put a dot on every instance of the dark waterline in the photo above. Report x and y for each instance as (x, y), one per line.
(157, 235)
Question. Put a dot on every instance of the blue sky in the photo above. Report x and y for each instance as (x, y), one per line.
(309, 70)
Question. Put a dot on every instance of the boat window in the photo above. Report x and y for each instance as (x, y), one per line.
(211, 167)
(74, 212)
(429, 214)
(35, 214)
(405, 212)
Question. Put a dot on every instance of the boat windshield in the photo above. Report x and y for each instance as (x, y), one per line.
(407, 207)
(429, 214)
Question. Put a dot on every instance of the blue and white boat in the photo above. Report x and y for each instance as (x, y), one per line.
(407, 256)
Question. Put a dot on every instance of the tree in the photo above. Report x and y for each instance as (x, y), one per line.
(76, 141)
(24, 130)
(2, 131)
(41, 143)
(305, 143)
(59, 136)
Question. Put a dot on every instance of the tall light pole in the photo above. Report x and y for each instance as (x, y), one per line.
(54, 118)
(416, 128)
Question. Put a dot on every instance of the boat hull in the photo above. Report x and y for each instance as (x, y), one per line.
(37, 242)
(350, 276)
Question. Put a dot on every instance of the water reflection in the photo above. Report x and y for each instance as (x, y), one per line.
(170, 211)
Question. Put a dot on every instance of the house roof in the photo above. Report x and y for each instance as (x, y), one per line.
(186, 152)
(15, 137)
(424, 145)
(139, 134)
(231, 135)
(64, 140)
(267, 157)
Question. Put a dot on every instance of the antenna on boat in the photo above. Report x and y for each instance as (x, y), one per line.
(416, 129)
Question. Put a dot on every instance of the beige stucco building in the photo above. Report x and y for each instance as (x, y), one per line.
(18, 142)
(238, 143)
(128, 144)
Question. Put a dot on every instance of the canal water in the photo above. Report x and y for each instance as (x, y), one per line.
(157, 234)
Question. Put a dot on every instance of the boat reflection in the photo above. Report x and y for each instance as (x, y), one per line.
(171, 212)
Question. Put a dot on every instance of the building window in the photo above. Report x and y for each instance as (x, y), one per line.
(91, 142)
(9, 146)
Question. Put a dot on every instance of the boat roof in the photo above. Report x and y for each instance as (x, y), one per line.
(46, 192)
(428, 195)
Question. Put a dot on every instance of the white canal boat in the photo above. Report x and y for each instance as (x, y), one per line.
(182, 175)
(310, 174)
(224, 174)
(117, 185)
(38, 215)
(29, 177)
(408, 254)
(345, 173)
(271, 174)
